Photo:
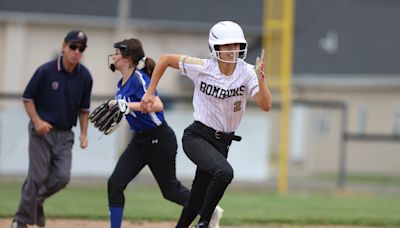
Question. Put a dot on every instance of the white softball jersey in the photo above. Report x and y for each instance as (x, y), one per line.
(219, 101)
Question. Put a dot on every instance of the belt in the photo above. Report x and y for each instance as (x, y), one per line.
(219, 135)
(150, 132)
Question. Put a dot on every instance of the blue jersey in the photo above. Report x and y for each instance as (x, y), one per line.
(133, 91)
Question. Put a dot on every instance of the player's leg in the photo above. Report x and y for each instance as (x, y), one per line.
(161, 158)
(195, 202)
(163, 170)
(210, 159)
(128, 166)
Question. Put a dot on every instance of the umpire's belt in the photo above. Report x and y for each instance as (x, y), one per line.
(219, 135)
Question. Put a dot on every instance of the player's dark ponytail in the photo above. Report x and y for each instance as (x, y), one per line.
(149, 67)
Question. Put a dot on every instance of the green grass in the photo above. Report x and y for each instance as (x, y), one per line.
(241, 207)
(356, 178)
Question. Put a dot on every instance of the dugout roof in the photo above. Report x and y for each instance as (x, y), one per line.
(340, 37)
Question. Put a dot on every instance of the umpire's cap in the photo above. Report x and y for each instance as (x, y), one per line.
(75, 36)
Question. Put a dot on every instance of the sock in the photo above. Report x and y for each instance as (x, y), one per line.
(116, 216)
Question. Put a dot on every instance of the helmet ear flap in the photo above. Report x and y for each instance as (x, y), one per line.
(214, 53)
(242, 54)
(214, 50)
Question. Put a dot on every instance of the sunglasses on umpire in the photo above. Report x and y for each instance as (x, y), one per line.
(73, 47)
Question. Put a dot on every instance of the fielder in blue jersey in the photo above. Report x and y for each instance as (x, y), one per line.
(153, 142)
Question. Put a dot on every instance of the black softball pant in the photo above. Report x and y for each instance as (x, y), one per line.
(156, 148)
(213, 173)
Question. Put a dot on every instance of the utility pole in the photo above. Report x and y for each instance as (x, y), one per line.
(278, 43)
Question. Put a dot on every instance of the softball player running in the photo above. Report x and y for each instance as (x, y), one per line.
(153, 143)
(221, 86)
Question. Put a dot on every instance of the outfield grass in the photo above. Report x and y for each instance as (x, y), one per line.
(241, 207)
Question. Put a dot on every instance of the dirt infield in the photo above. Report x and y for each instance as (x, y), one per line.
(68, 223)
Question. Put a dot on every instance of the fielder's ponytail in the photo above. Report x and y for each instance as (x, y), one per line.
(149, 66)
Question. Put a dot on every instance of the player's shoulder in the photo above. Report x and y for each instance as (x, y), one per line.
(138, 79)
(141, 73)
(141, 76)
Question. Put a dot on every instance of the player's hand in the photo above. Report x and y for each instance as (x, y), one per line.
(83, 141)
(259, 67)
(42, 127)
(147, 102)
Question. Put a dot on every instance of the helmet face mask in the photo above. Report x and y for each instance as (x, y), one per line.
(227, 32)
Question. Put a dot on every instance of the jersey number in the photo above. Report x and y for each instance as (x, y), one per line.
(237, 106)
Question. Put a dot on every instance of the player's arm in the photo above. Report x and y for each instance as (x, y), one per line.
(263, 96)
(42, 127)
(165, 61)
(157, 106)
(83, 123)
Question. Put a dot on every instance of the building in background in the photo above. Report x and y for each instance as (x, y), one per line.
(345, 52)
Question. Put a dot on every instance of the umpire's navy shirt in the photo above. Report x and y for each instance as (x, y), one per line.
(59, 96)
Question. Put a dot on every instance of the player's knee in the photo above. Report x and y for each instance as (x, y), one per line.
(171, 196)
(115, 193)
(225, 174)
(176, 194)
(110, 185)
(113, 187)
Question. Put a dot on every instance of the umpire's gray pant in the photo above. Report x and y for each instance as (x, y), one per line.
(49, 170)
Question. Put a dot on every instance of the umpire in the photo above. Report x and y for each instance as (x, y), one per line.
(58, 92)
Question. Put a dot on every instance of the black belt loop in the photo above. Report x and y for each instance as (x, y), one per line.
(219, 135)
